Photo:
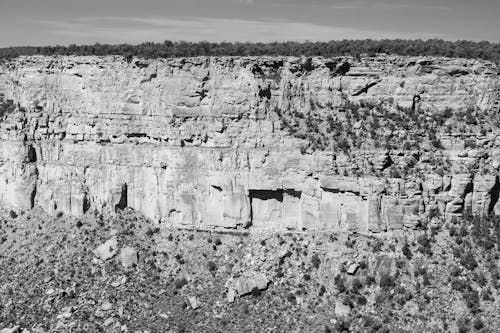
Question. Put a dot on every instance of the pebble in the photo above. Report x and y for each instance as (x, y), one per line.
(106, 306)
(128, 257)
(14, 329)
(193, 301)
(109, 321)
(107, 250)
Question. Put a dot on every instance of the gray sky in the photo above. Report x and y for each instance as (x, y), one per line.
(50, 22)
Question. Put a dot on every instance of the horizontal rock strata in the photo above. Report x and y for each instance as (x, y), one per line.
(198, 142)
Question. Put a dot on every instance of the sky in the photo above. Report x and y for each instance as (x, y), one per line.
(64, 22)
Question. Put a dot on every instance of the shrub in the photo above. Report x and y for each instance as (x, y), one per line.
(471, 298)
(211, 266)
(315, 261)
(256, 292)
(179, 283)
(356, 285)
(386, 281)
(406, 251)
(339, 283)
(458, 284)
(13, 214)
(423, 241)
(179, 259)
(478, 324)
(468, 261)
(463, 325)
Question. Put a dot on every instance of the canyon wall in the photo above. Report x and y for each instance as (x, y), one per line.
(200, 142)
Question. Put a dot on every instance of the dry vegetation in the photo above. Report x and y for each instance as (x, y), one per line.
(435, 280)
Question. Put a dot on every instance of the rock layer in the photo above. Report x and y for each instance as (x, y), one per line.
(197, 142)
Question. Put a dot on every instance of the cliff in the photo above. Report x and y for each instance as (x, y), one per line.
(253, 142)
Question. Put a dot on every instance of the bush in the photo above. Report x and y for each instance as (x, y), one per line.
(386, 281)
(168, 49)
(457, 284)
(315, 261)
(340, 283)
(356, 285)
(179, 283)
(471, 298)
(478, 324)
(407, 252)
(468, 261)
(211, 266)
(463, 325)
(13, 214)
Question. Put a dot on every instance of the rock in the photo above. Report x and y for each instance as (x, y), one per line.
(342, 310)
(245, 285)
(384, 266)
(107, 250)
(352, 269)
(66, 313)
(106, 306)
(128, 257)
(103, 152)
(109, 321)
(193, 301)
(15, 329)
(231, 295)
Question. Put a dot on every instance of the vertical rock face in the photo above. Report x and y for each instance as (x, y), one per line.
(199, 142)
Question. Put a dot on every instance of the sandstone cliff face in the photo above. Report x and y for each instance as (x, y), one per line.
(199, 142)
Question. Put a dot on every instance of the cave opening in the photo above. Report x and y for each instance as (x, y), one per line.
(495, 193)
(263, 195)
(122, 204)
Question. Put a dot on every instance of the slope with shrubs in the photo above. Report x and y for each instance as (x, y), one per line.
(444, 278)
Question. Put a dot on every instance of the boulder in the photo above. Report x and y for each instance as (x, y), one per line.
(193, 302)
(107, 250)
(342, 310)
(245, 285)
(351, 270)
(128, 257)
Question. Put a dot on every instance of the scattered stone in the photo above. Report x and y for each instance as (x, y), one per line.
(107, 250)
(14, 329)
(106, 306)
(116, 284)
(244, 286)
(128, 257)
(231, 295)
(67, 312)
(342, 310)
(351, 270)
(193, 301)
(109, 321)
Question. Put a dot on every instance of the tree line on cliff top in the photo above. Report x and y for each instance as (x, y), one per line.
(168, 49)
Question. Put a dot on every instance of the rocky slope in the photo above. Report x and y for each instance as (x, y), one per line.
(59, 275)
(344, 144)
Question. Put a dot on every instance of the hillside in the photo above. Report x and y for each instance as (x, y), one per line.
(249, 194)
